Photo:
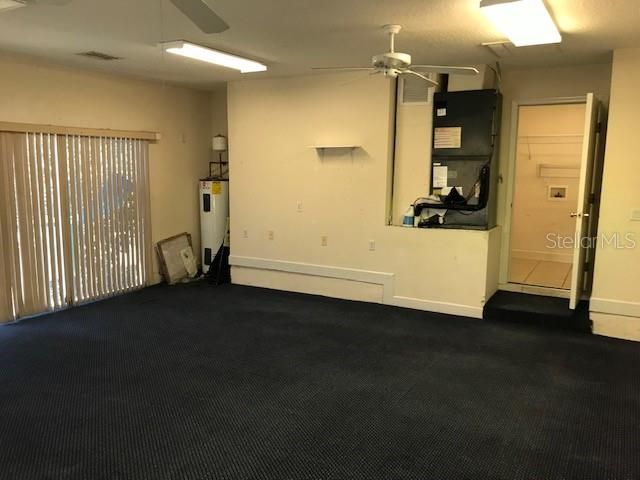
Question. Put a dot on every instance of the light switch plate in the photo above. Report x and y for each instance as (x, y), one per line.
(635, 215)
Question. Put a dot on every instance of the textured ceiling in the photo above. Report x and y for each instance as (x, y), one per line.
(293, 35)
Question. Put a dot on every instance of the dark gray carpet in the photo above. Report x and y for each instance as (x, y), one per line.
(198, 382)
(539, 311)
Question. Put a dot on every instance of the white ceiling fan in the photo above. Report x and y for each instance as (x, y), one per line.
(392, 64)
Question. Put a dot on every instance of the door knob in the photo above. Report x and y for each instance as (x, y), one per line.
(575, 214)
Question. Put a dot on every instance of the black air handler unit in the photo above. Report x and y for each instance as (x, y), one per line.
(464, 155)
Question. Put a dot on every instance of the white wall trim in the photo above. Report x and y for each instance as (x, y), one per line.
(387, 280)
(364, 276)
(437, 307)
(615, 307)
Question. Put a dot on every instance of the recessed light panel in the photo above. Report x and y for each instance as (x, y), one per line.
(216, 57)
(524, 22)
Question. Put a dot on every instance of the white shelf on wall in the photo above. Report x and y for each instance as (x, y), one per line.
(335, 147)
(558, 171)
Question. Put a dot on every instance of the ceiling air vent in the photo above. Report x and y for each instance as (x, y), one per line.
(415, 91)
(99, 56)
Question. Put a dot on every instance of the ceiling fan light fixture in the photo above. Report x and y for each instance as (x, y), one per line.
(524, 22)
(216, 57)
(6, 5)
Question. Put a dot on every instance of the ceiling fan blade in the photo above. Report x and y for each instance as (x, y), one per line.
(200, 13)
(419, 75)
(343, 69)
(447, 69)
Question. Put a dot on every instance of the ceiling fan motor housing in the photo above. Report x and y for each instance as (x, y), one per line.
(392, 60)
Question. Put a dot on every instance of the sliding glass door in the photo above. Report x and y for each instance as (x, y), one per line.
(107, 205)
(73, 222)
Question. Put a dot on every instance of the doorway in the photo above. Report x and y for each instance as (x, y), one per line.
(548, 152)
(550, 187)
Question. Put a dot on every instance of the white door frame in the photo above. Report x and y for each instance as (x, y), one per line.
(505, 253)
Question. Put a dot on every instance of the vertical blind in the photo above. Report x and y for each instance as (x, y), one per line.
(31, 218)
(107, 205)
(73, 227)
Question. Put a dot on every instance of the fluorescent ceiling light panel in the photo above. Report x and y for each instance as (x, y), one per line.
(216, 57)
(10, 5)
(524, 22)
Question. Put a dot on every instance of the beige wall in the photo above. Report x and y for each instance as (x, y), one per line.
(549, 135)
(48, 94)
(280, 184)
(413, 156)
(219, 123)
(616, 291)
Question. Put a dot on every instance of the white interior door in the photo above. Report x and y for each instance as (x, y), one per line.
(583, 213)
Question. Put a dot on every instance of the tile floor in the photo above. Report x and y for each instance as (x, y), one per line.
(540, 273)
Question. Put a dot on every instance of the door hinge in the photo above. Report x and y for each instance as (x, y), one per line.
(599, 127)
(587, 267)
(592, 198)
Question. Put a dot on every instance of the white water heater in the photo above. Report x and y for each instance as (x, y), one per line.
(214, 213)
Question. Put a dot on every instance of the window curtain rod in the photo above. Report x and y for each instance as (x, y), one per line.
(12, 127)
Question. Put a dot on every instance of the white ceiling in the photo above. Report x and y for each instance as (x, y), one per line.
(293, 35)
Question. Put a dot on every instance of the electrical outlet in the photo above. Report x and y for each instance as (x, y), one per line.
(271, 235)
(324, 241)
(635, 216)
(372, 245)
(245, 234)
(299, 206)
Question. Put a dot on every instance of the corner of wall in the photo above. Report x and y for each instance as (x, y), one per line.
(219, 111)
(616, 326)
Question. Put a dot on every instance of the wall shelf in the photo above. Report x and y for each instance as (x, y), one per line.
(335, 147)
(558, 171)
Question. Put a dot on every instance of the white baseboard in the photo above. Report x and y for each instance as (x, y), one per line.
(437, 307)
(365, 276)
(386, 280)
(616, 326)
(614, 307)
(614, 318)
(309, 284)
